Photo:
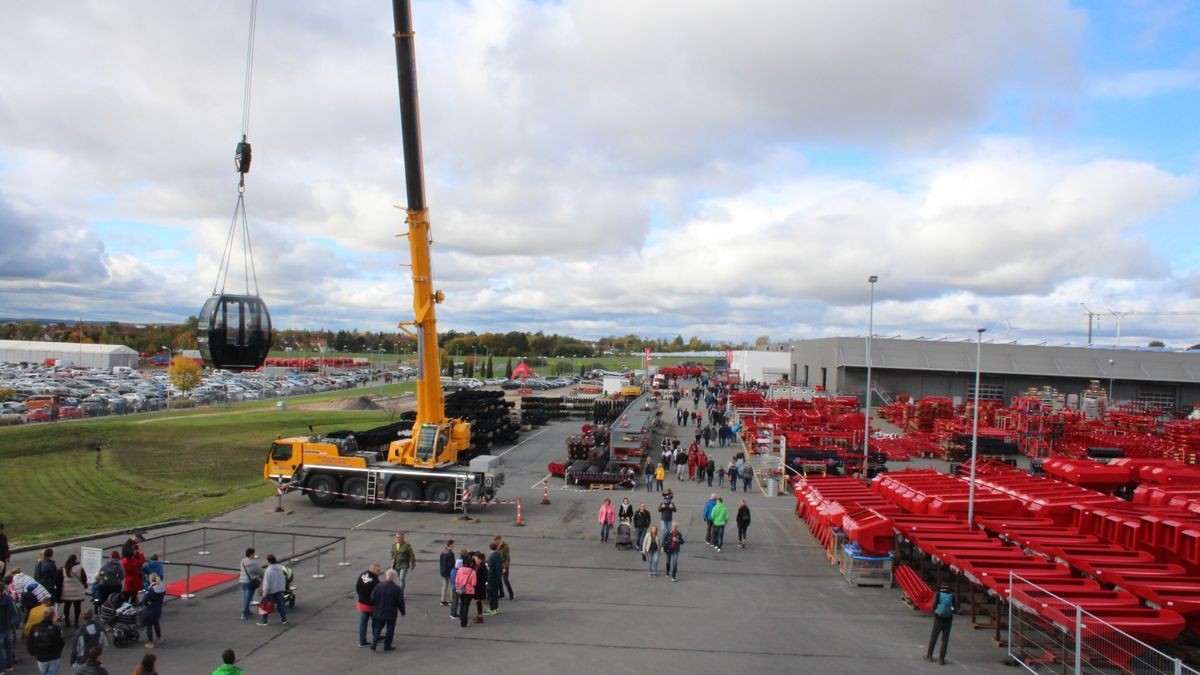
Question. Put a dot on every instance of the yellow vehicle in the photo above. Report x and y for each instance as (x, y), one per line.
(422, 468)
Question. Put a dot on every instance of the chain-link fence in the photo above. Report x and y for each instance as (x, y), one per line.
(1048, 634)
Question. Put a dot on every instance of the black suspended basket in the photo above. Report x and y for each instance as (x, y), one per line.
(234, 332)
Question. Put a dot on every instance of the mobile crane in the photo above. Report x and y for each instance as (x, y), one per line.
(423, 468)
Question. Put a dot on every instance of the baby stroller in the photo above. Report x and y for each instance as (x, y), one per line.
(121, 618)
(289, 591)
(624, 537)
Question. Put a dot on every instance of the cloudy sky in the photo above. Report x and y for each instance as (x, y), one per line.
(698, 167)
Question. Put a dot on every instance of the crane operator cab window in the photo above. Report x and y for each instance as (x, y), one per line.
(281, 452)
(430, 442)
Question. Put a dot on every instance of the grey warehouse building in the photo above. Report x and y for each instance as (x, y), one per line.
(1161, 378)
(67, 353)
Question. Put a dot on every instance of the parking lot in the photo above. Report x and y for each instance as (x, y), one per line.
(581, 606)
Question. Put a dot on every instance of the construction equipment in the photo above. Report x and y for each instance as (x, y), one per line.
(422, 468)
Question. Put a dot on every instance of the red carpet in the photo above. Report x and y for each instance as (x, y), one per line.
(199, 583)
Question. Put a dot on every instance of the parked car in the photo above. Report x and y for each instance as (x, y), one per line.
(470, 382)
(70, 412)
(38, 415)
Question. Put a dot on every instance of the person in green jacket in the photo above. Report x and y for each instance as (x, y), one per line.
(719, 516)
(227, 667)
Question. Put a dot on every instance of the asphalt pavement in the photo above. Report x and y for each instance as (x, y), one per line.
(581, 606)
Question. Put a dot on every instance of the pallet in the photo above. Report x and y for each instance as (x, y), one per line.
(600, 486)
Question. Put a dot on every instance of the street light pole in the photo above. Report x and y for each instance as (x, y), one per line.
(974, 431)
(1110, 382)
(867, 412)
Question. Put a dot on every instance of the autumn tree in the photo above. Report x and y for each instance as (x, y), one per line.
(184, 373)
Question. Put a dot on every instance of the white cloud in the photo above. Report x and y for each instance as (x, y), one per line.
(592, 167)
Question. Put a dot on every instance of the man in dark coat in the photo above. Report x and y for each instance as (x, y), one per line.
(385, 603)
(46, 641)
(495, 566)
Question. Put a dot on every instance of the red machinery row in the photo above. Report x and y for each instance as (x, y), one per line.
(1134, 564)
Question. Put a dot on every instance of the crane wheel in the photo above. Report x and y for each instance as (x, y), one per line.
(406, 491)
(442, 496)
(356, 492)
(321, 490)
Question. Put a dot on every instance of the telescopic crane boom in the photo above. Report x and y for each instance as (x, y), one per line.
(436, 441)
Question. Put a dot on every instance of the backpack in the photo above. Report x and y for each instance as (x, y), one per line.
(42, 642)
(945, 605)
(108, 575)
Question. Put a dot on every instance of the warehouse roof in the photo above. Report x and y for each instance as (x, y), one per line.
(39, 348)
(1012, 359)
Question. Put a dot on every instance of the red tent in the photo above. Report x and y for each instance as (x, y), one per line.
(523, 372)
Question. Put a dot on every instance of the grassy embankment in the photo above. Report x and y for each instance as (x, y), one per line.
(155, 467)
(570, 364)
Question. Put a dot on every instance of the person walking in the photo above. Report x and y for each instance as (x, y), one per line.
(155, 594)
(45, 643)
(458, 563)
(720, 477)
(666, 511)
(732, 472)
(153, 566)
(5, 554)
(672, 545)
(719, 516)
(481, 584)
(606, 517)
(708, 530)
(74, 589)
(650, 549)
(649, 473)
(641, 523)
(625, 511)
(445, 569)
(944, 607)
(386, 600)
(250, 576)
(403, 560)
(89, 634)
(495, 566)
(660, 474)
(681, 459)
(710, 467)
(10, 618)
(131, 583)
(506, 554)
(747, 473)
(93, 664)
(47, 574)
(110, 577)
(743, 524)
(465, 581)
(274, 583)
(228, 658)
(363, 588)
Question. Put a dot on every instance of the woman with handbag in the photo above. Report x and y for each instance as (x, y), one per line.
(606, 518)
(464, 586)
(250, 578)
(650, 550)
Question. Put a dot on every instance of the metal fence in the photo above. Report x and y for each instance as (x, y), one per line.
(219, 549)
(1050, 635)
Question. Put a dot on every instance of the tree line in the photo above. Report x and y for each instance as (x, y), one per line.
(154, 338)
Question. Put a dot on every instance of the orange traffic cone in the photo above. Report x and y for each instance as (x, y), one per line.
(545, 493)
(520, 520)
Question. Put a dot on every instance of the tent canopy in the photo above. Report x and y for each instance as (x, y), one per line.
(523, 371)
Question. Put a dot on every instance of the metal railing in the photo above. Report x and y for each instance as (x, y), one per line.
(176, 547)
(1048, 634)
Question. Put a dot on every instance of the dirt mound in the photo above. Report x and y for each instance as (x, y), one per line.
(360, 403)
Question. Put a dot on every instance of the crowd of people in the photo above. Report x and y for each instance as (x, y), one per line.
(47, 607)
(466, 576)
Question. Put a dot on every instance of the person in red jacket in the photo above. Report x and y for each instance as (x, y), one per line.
(132, 566)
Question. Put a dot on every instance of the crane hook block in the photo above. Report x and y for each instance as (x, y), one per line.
(241, 157)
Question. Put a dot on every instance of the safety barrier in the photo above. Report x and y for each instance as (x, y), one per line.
(1047, 633)
(167, 550)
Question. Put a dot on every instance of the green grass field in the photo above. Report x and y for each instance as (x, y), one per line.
(181, 464)
(569, 364)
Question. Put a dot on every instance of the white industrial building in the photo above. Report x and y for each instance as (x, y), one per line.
(67, 354)
(762, 366)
